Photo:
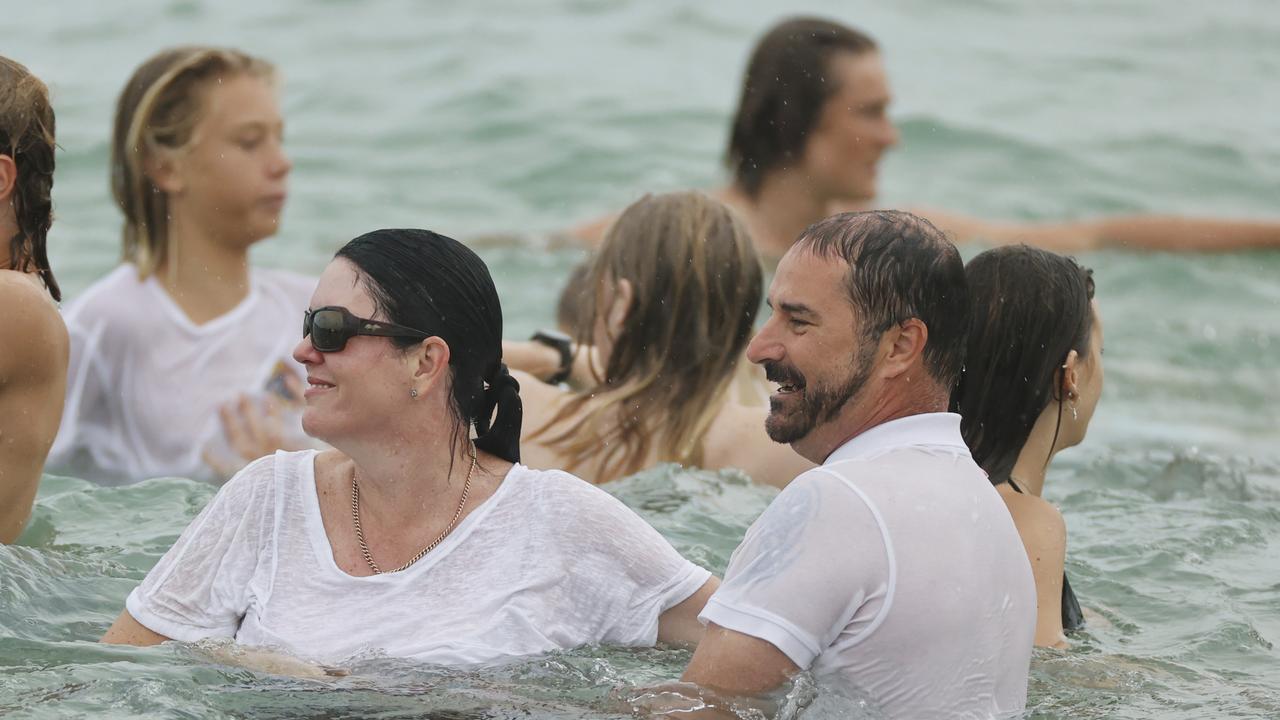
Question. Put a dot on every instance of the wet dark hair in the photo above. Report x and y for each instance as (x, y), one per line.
(424, 280)
(27, 136)
(900, 267)
(783, 93)
(1031, 308)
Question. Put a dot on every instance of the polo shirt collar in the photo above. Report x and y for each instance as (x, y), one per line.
(923, 430)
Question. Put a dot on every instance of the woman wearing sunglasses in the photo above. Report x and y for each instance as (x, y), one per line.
(419, 535)
(1032, 378)
(184, 326)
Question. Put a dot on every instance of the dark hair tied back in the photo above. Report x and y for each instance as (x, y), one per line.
(1030, 310)
(424, 280)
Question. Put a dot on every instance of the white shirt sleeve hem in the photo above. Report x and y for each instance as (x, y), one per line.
(791, 640)
(136, 605)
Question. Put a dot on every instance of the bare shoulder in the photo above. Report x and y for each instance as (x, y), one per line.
(738, 439)
(1040, 524)
(31, 329)
(541, 401)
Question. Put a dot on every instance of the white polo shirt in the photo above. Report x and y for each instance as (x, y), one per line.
(896, 567)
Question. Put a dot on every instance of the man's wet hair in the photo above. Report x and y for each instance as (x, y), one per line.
(784, 90)
(900, 267)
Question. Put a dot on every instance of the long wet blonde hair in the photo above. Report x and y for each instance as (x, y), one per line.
(697, 285)
(158, 112)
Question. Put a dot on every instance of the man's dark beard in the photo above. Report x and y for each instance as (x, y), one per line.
(817, 402)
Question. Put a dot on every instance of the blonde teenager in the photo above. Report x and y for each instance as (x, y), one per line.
(33, 339)
(670, 303)
(184, 329)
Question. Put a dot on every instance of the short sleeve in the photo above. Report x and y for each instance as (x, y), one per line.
(625, 574)
(202, 587)
(813, 560)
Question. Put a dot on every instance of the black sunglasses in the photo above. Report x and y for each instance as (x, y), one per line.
(331, 327)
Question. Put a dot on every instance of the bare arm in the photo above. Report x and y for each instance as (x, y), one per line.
(33, 377)
(679, 624)
(732, 663)
(543, 362)
(1131, 232)
(591, 233)
(128, 631)
(1044, 536)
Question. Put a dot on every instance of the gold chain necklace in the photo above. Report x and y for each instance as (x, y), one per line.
(364, 548)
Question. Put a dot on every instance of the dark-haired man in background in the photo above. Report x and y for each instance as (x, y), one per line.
(812, 126)
(894, 566)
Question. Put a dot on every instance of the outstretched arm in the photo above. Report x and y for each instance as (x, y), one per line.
(1130, 232)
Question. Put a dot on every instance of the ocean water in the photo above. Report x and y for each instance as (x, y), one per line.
(500, 122)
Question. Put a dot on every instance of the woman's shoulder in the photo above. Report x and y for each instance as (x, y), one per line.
(1039, 523)
(558, 491)
(737, 439)
(274, 475)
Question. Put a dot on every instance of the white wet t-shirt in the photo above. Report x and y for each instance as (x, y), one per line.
(895, 567)
(548, 562)
(144, 383)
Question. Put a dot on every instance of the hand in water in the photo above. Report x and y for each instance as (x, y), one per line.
(253, 428)
(268, 661)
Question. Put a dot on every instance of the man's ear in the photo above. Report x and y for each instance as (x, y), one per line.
(1068, 378)
(620, 309)
(8, 178)
(903, 346)
(429, 361)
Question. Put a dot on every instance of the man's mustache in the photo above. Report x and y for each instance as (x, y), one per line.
(783, 374)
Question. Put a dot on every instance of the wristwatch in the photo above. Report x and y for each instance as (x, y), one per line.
(562, 344)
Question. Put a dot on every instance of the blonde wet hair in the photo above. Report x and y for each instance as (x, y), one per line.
(697, 286)
(157, 113)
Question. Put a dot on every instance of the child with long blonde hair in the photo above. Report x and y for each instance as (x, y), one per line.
(670, 302)
(184, 332)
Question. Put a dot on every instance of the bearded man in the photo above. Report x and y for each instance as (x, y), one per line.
(894, 566)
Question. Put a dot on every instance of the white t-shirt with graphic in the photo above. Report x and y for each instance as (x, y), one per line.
(144, 383)
(548, 562)
(896, 567)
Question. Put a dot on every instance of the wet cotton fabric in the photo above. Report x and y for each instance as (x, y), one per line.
(895, 567)
(548, 562)
(144, 383)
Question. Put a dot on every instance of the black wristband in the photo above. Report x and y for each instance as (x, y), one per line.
(562, 344)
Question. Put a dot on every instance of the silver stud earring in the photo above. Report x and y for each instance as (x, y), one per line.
(413, 392)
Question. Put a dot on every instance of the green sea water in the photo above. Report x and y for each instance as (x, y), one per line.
(500, 122)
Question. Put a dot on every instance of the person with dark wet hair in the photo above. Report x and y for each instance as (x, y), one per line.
(894, 562)
(419, 534)
(1031, 381)
(812, 126)
(33, 338)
